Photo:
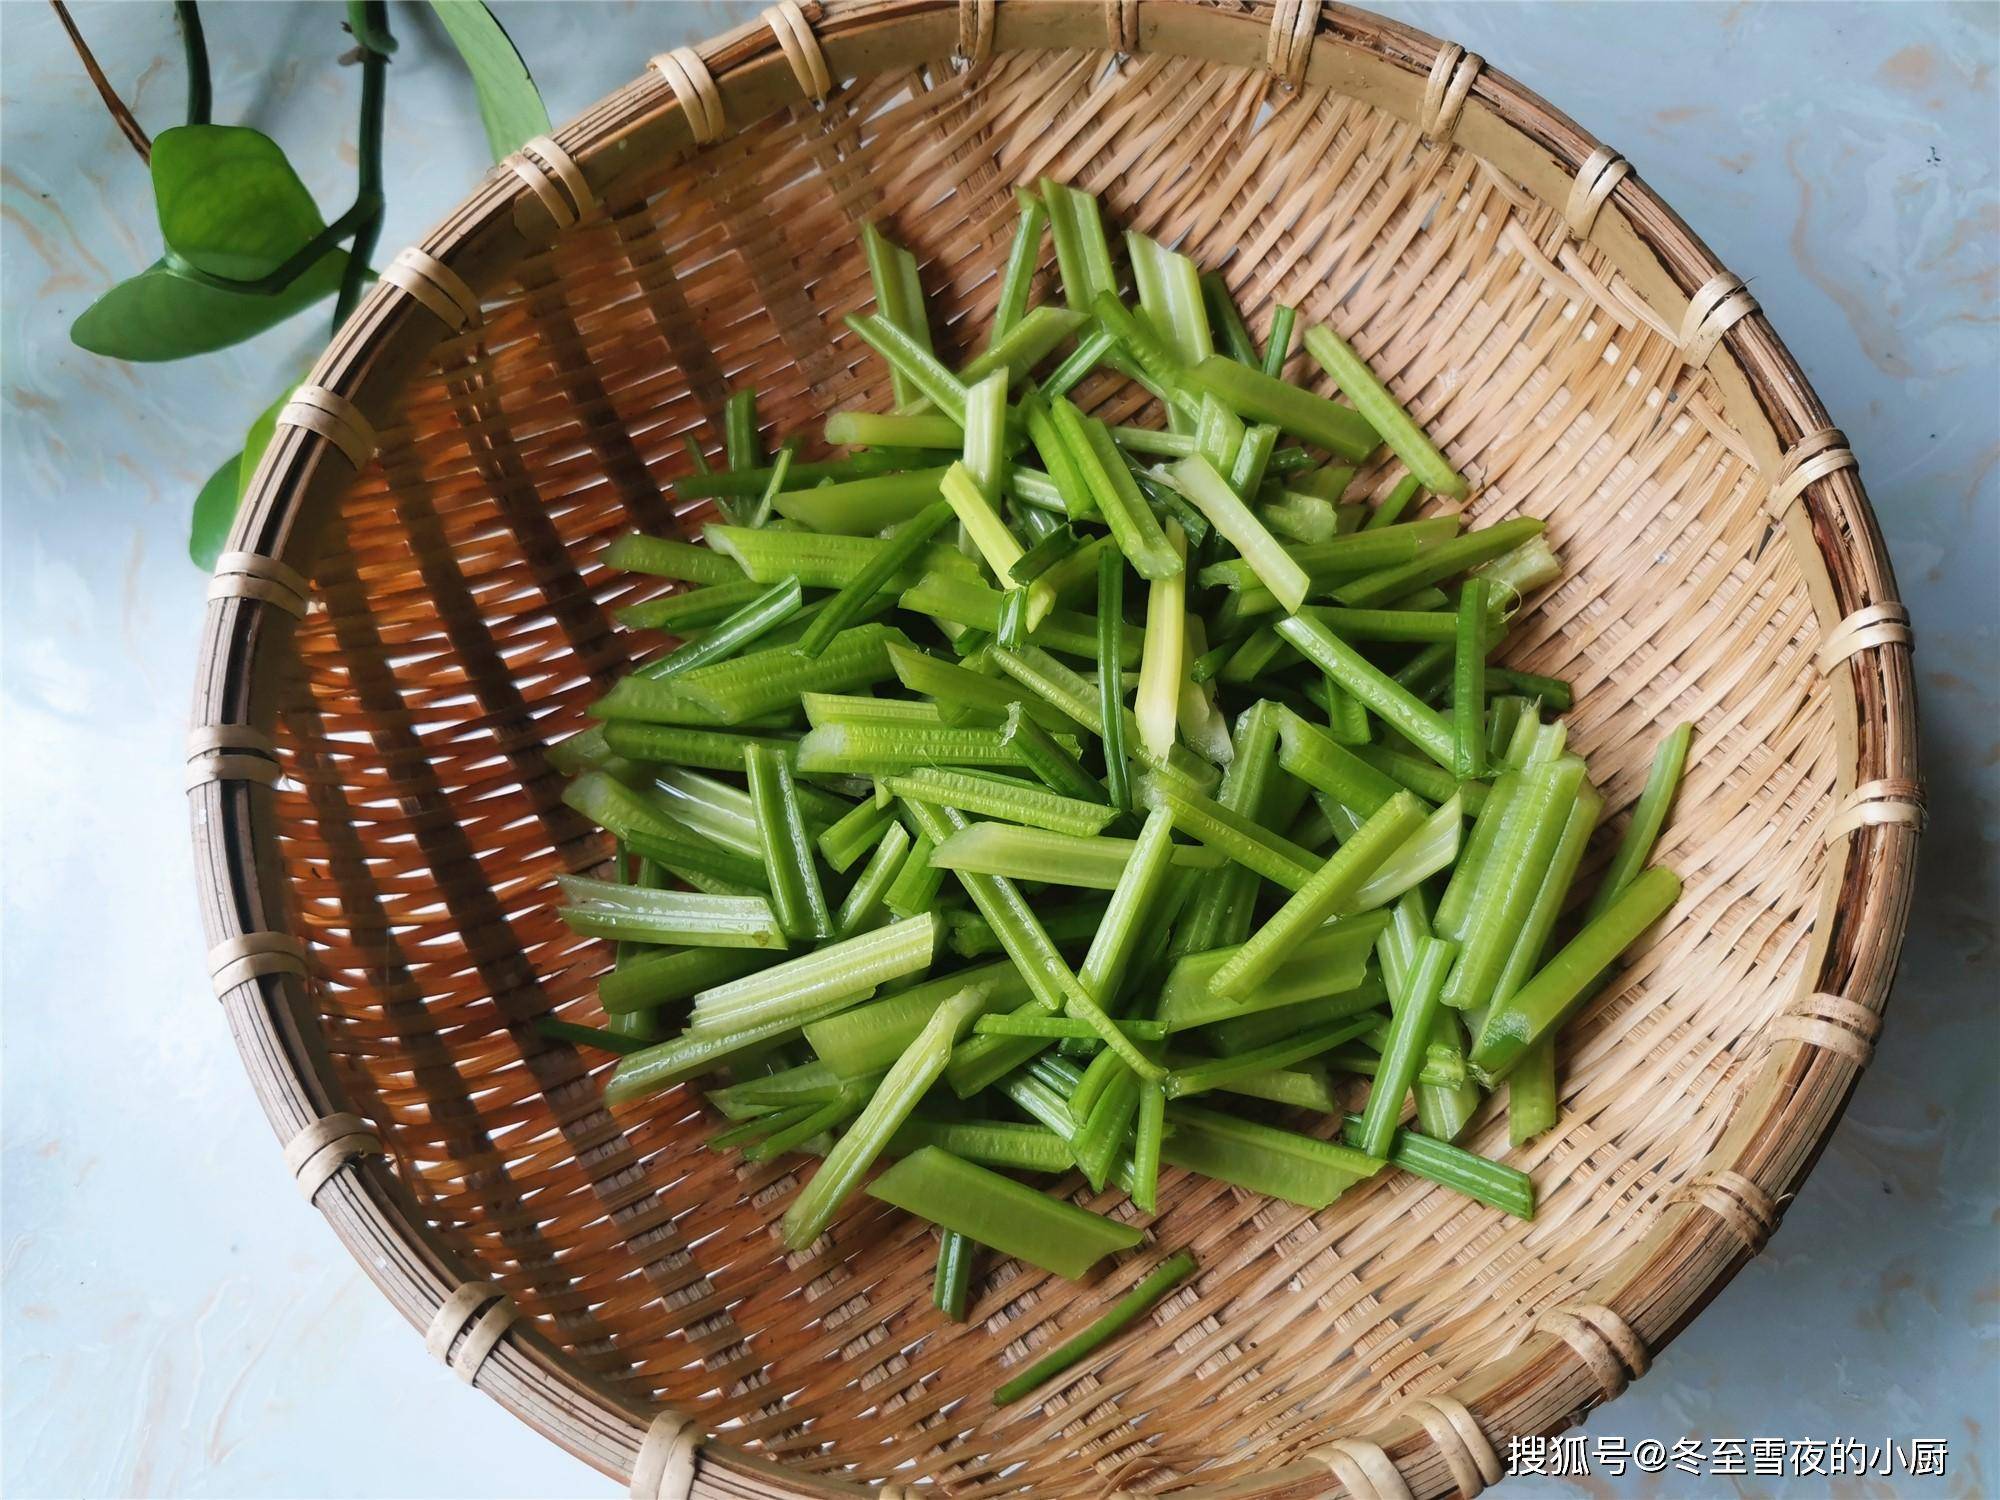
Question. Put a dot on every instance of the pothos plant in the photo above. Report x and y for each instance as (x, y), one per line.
(244, 246)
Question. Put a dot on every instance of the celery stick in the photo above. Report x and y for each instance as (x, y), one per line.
(1545, 1001)
(601, 908)
(1157, 707)
(1016, 803)
(1001, 1213)
(813, 1208)
(1384, 413)
(852, 967)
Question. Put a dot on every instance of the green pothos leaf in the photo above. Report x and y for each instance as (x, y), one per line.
(228, 200)
(510, 106)
(163, 313)
(229, 205)
(214, 514)
(216, 506)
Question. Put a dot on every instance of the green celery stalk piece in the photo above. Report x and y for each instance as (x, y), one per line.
(1000, 1213)
(891, 1104)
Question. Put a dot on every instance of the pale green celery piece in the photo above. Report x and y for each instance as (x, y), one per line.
(851, 967)
(1305, 519)
(1229, 832)
(1023, 346)
(890, 749)
(813, 1208)
(1134, 902)
(1169, 286)
(1384, 413)
(1280, 1163)
(823, 560)
(1278, 348)
(1439, 561)
(1260, 652)
(899, 299)
(1101, 467)
(1013, 802)
(1150, 441)
(1017, 280)
(1456, 904)
(1345, 557)
(748, 687)
(1054, 683)
(1218, 435)
(992, 697)
(665, 557)
(861, 507)
(1220, 905)
(602, 908)
(1274, 566)
(1330, 890)
(1328, 483)
(1000, 1213)
(1387, 699)
(1331, 961)
(653, 979)
(1013, 920)
(867, 1038)
(717, 811)
(1402, 1051)
(1006, 1144)
(591, 750)
(1056, 858)
(1202, 725)
(1162, 664)
(1083, 254)
(1521, 570)
(859, 708)
(1190, 1077)
(1649, 815)
(1057, 769)
(969, 500)
(1094, 346)
(985, 453)
(909, 357)
(659, 1067)
(869, 429)
(864, 900)
(1433, 847)
(1258, 397)
(914, 891)
(1307, 1087)
(690, 609)
(972, 604)
(1546, 1000)
(1514, 873)
(797, 897)
(1259, 1028)
(1147, 1136)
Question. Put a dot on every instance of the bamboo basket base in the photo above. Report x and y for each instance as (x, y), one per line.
(460, 621)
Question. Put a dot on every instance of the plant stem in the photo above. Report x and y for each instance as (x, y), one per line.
(369, 21)
(201, 95)
(124, 117)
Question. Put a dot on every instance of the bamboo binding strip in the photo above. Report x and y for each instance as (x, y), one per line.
(326, 1145)
(794, 33)
(468, 1325)
(251, 954)
(251, 575)
(438, 618)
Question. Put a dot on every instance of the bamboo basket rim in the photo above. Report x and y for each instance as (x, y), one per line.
(1582, 1354)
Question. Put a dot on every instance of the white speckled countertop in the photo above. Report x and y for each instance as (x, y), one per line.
(178, 1323)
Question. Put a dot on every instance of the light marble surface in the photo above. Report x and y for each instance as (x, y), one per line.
(177, 1323)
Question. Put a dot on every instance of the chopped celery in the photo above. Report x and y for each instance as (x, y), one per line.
(1000, 1213)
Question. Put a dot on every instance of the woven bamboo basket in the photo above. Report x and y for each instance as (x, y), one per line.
(413, 610)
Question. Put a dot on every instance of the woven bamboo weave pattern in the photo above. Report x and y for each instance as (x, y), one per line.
(460, 622)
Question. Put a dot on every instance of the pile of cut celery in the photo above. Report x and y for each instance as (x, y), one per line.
(1028, 795)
